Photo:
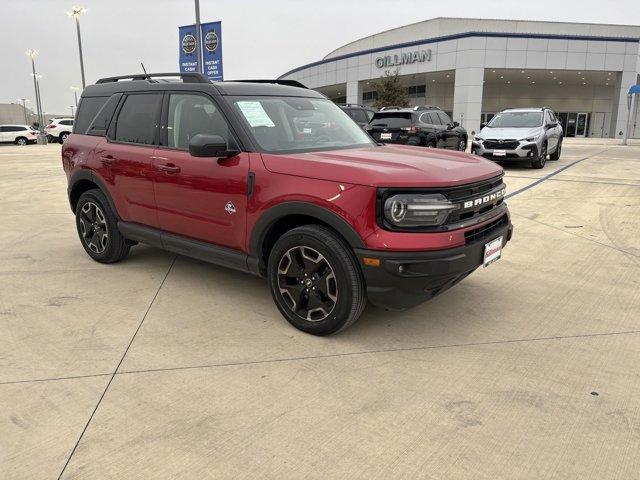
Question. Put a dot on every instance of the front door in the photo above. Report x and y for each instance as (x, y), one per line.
(596, 128)
(125, 157)
(581, 125)
(201, 198)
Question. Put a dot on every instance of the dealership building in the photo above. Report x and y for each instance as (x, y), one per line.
(473, 68)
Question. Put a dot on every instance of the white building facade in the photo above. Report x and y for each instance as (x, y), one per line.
(473, 68)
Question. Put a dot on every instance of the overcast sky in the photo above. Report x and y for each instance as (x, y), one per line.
(261, 38)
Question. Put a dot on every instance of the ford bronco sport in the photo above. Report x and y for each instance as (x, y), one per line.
(274, 179)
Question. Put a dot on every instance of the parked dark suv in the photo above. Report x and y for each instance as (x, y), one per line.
(276, 180)
(422, 126)
(359, 113)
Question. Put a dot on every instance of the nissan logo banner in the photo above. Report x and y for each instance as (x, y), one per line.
(211, 52)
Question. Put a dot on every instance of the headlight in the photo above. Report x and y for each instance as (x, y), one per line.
(531, 139)
(477, 138)
(415, 210)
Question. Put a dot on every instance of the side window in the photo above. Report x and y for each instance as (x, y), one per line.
(4, 129)
(444, 118)
(21, 129)
(192, 114)
(87, 110)
(66, 122)
(102, 120)
(370, 114)
(137, 121)
(359, 116)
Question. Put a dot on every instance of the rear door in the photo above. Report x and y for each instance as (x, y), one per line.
(450, 135)
(391, 126)
(201, 198)
(126, 156)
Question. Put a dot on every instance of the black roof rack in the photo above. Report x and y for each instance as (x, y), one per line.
(290, 83)
(187, 77)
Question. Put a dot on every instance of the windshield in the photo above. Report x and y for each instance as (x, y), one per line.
(294, 124)
(392, 119)
(516, 120)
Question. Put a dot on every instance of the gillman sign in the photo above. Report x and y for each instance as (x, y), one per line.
(409, 57)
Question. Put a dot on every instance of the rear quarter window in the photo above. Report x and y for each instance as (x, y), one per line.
(87, 110)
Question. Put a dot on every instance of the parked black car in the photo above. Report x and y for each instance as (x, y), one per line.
(360, 114)
(424, 126)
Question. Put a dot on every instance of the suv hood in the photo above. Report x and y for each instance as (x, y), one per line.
(516, 133)
(386, 166)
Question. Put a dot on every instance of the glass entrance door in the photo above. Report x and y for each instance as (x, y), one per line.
(581, 125)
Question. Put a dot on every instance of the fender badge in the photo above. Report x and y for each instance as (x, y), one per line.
(230, 208)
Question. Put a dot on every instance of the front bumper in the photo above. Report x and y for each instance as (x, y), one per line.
(524, 151)
(406, 279)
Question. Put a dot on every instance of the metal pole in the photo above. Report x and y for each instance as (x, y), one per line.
(75, 94)
(71, 107)
(198, 37)
(77, 17)
(631, 104)
(42, 139)
(41, 115)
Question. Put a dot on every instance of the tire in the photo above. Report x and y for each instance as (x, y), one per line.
(542, 158)
(332, 292)
(63, 136)
(556, 155)
(94, 221)
(462, 144)
(431, 144)
(21, 141)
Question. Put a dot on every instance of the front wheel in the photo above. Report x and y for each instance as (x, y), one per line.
(315, 280)
(462, 144)
(542, 158)
(21, 141)
(556, 155)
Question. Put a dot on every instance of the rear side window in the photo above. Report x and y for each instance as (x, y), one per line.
(66, 122)
(138, 119)
(392, 119)
(87, 110)
(430, 118)
(101, 122)
(359, 116)
(444, 118)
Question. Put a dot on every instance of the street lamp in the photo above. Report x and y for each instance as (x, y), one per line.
(24, 109)
(75, 94)
(72, 107)
(75, 13)
(42, 138)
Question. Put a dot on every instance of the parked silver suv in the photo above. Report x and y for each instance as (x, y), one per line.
(527, 134)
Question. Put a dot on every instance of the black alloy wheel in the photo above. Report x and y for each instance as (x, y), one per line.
(93, 227)
(462, 144)
(542, 158)
(307, 283)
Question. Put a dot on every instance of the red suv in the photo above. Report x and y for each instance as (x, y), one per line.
(274, 179)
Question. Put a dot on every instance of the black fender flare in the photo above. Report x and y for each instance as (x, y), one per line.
(89, 175)
(271, 216)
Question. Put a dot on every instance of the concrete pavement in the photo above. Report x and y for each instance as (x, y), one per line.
(166, 367)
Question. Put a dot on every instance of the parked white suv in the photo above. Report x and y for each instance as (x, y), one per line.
(59, 129)
(18, 134)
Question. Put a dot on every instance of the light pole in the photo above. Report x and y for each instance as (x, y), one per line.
(72, 107)
(199, 38)
(75, 13)
(75, 94)
(39, 100)
(24, 109)
(42, 138)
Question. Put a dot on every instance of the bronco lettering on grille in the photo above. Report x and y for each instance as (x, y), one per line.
(486, 199)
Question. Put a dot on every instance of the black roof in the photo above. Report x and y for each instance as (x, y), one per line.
(197, 82)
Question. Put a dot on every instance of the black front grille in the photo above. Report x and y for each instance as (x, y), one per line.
(485, 231)
(501, 144)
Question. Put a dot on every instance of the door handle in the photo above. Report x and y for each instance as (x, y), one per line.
(107, 159)
(169, 168)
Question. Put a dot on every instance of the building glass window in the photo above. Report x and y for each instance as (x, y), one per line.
(416, 91)
(369, 96)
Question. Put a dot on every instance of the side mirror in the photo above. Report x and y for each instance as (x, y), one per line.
(482, 125)
(205, 145)
(456, 124)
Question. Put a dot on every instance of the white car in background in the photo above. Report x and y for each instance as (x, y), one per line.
(18, 134)
(59, 129)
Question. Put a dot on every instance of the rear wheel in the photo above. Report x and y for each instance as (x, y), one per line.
(556, 155)
(315, 280)
(542, 158)
(21, 141)
(98, 228)
(431, 144)
(63, 136)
